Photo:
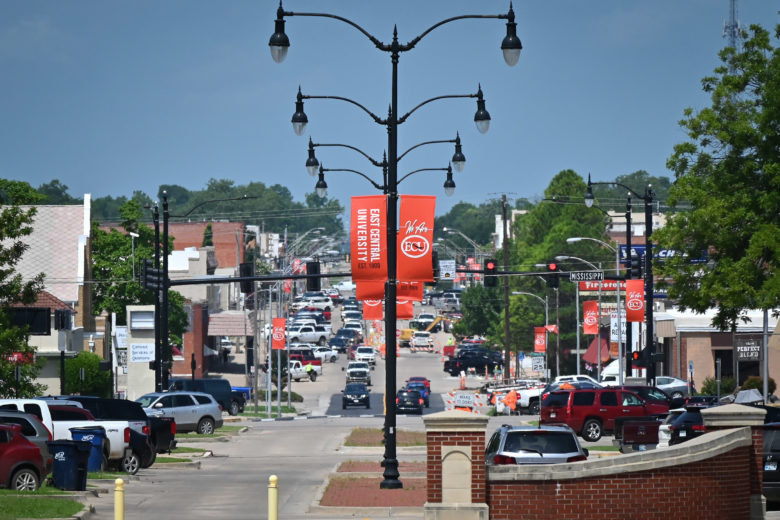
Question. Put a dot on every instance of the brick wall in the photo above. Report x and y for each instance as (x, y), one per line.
(435, 441)
(712, 488)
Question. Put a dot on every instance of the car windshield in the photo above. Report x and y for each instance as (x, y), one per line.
(365, 350)
(543, 441)
(360, 365)
(146, 400)
(355, 388)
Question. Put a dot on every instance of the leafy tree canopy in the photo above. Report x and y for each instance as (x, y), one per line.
(95, 381)
(728, 172)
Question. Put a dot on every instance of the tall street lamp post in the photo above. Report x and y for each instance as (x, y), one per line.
(647, 198)
(621, 346)
(450, 230)
(279, 44)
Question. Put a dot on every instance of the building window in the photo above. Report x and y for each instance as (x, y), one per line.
(143, 320)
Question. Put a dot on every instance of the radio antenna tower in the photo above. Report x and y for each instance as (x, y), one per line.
(732, 28)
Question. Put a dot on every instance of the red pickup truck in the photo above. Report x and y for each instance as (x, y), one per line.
(591, 412)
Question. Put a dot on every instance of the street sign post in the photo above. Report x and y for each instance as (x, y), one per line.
(586, 276)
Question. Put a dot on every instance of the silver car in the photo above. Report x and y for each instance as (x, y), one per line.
(673, 387)
(192, 411)
(546, 444)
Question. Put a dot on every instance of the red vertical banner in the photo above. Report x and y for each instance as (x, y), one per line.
(278, 335)
(372, 310)
(404, 310)
(635, 300)
(287, 285)
(410, 291)
(368, 238)
(369, 291)
(540, 339)
(590, 317)
(415, 238)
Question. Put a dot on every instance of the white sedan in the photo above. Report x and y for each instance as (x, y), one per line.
(325, 353)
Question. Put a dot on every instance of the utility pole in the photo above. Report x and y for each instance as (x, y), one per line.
(505, 247)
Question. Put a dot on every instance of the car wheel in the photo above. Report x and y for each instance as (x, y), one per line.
(313, 376)
(295, 340)
(368, 406)
(148, 461)
(591, 431)
(333, 359)
(205, 426)
(343, 406)
(677, 395)
(534, 408)
(131, 464)
(322, 342)
(234, 408)
(25, 479)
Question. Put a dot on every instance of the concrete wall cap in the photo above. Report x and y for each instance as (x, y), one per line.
(701, 448)
(455, 420)
(733, 415)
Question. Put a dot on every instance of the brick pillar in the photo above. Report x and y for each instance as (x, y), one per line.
(735, 416)
(192, 343)
(456, 466)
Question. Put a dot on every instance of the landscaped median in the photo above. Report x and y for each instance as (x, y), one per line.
(355, 483)
(46, 502)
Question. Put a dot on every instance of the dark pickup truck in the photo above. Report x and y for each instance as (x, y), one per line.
(470, 359)
(636, 433)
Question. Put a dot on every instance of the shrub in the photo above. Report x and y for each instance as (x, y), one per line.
(758, 383)
(710, 386)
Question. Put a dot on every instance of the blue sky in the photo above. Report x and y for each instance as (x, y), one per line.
(112, 97)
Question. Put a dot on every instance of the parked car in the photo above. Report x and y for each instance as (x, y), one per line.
(591, 412)
(218, 388)
(326, 353)
(771, 456)
(549, 444)
(409, 401)
(687, 425)
(33, 430)
(355, 394)
(664, 430)
(577, 378)
(675, 388)
(192, 411)
(422, 389)
(21, 464)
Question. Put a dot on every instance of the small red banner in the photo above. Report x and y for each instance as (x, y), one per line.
(368, 238)
(590, 317)
(404, 310)
(635, 300)
(540, 339)
(278, 337)
(372, 309)
(370, 290)
(410, 291)
(415, 238)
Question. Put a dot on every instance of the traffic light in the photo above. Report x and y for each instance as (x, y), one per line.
(246, 269)
(150, 277)
(313, 283)
(552, 278)
(436, 270)
(489, 273)
(639, 358)
(635, 266)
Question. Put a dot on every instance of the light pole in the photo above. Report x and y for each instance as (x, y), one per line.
(279, 44)
(561, 258)
(450, 230)
(546, 314)
(622, 346)
(133, 236)
(647, 198)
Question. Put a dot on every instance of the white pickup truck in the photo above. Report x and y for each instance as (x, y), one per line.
(297, 371)
(308, 334)
(117, 438)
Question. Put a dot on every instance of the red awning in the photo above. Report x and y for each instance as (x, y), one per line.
(591, 355)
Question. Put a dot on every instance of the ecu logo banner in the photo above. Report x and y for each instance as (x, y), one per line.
(415, 238)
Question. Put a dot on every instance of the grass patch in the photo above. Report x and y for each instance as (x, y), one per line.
(170, 460)
(107, 475)
(374, 437)
(43, 490)
(27, 505)
(187, 449)
(603, 448)
(226, 430)
(262, 411)
(261, 397)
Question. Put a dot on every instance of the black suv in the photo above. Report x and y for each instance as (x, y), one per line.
(771, 448)
(356, 394)
(409, 401)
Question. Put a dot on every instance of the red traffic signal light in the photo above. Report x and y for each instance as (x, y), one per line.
(490, 265)
(552, 267)
(489, 270)
(635, 355)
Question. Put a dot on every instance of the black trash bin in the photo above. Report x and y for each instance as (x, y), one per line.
(70, 463)
(95, 435)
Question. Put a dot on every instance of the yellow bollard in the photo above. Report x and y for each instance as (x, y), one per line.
(119, 499)
(273, 498)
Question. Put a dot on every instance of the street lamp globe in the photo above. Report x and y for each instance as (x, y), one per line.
(279, 42)
(449, 184)
(458, 159)
(481, 117)
(312, 164)
(511, 45)
(322, 186)
(299, 118)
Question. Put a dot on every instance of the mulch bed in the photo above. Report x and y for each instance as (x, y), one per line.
(370, 466)
(365, 492)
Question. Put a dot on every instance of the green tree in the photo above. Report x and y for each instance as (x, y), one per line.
(57, 193)
(95, 381)
(613, 197)
(208, 236)
(481, 308)
(16, 224)
(729, 173)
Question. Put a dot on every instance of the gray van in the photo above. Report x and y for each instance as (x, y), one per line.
(219, 389)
